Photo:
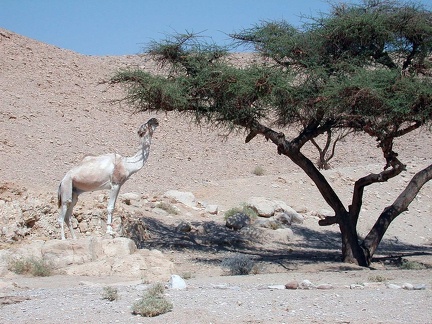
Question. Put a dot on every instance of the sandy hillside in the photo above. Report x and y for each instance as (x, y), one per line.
(55, 108)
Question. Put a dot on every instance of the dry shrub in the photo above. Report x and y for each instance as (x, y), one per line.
(31, 266)
(110, 293)
(153, 303)
(239, 265)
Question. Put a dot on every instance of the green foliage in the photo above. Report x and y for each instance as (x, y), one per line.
(110, 293)
(339, 70)
(31, 266)
(153, 303)
(245, 209)
(411, 265)
(239, 265)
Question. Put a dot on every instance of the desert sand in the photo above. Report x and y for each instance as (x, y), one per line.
(56, 108)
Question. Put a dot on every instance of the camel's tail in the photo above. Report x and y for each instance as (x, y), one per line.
(59, 198)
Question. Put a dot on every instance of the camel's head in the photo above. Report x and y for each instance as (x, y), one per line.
(148, 128)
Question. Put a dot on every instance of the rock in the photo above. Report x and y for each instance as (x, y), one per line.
(144, 264)
(278, 287)
(184, 227)
(393, 286)
(289, 212)
(356, 286)
(63, 253)
(306, 284)
(118, 246)
(263, 206)
(322, 213)
(237, 221)
(160, 211)
(284, 235)
(292, 285)
(283, 218)
(186, 198)
(269, 223)
(407, 286)
(267, 208)
(129, 198)
(419, 287)
(324, 286)
(177, 282)
(212, 209)
(96, 257)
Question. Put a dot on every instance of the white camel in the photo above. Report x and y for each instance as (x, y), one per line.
(109, 171)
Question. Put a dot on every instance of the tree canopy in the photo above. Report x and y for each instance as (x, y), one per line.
(360, 68)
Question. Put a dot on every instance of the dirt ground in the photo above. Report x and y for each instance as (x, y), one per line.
(56, 108)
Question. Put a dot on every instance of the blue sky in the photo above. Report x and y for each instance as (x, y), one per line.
(119, 27)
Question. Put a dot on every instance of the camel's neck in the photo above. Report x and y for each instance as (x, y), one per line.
(136, 162)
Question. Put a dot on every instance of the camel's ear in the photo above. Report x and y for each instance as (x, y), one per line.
(142, 130)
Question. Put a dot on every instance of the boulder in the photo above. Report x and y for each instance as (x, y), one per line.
(212, 209)
(263, 206)
(186, 198)
(96, 257)
(177, 282)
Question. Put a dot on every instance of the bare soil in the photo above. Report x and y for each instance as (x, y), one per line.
(56, 108)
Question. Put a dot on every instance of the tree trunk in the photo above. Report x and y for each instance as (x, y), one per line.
(352, 252)
(374, 237)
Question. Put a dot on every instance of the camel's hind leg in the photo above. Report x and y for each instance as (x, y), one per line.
(66, 200)
(68, 215)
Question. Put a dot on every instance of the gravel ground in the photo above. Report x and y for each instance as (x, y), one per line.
(227, 299)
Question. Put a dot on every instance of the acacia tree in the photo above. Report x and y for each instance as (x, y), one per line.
(360, 68)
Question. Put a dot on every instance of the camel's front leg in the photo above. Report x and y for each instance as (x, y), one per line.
(69, 213)
(115, 189)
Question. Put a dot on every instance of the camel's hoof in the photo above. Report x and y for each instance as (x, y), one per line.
(111, 232)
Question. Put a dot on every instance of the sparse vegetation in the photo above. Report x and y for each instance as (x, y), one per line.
(239, 265)
(245, 209)
(170, 209)
(258, 170)
(110, 293)
(187, 275)
(37, 267)
(153, 303)
(411, 265)
(377, 278)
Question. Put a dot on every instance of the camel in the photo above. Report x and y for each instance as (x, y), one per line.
(109, 171)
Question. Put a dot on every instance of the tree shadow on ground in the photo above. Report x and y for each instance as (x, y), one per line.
(216, 241)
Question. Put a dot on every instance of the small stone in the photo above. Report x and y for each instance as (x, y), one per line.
(184, 227)
(407, 286)
(212, 209)
(280, 287)
(292, 285)
(393, 286)
(356, 286)
(306, 284)
(419, 287)
(324, 286)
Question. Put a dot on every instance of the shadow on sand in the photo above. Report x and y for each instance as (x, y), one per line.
(217, 240)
